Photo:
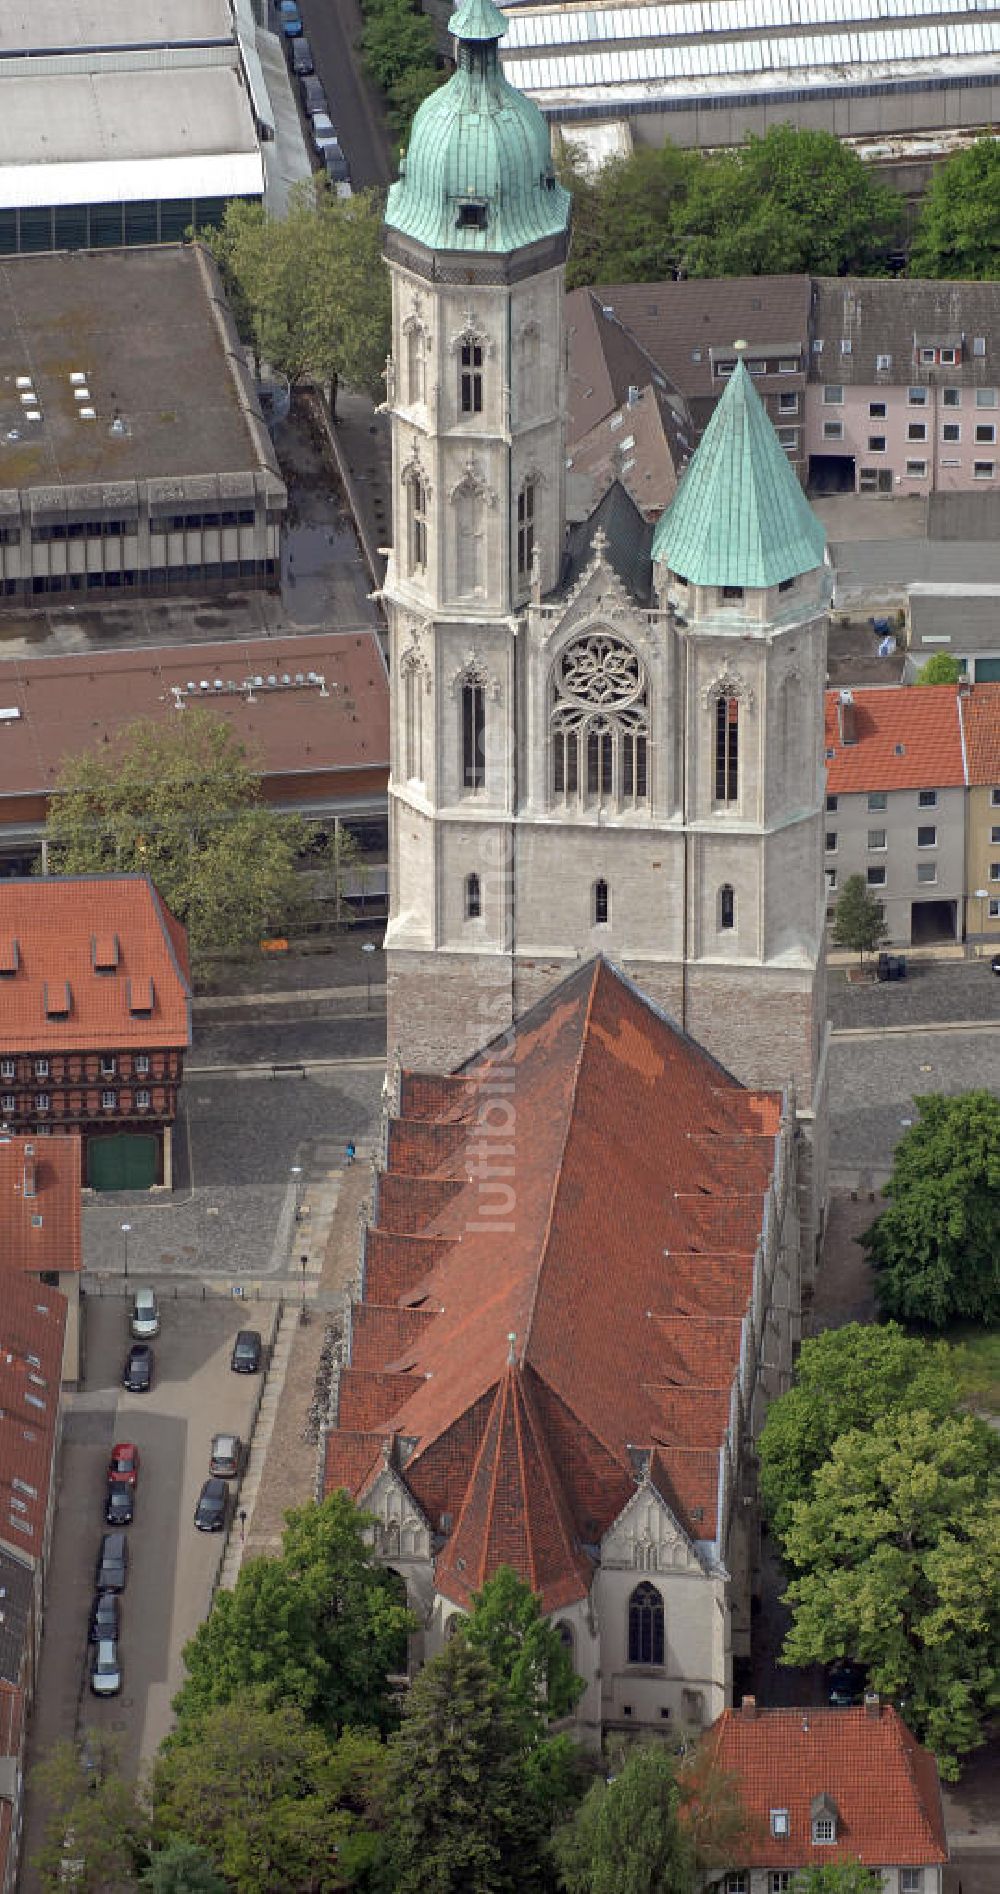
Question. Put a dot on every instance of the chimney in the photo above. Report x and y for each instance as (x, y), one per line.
(846, 717)
(28, 1185)
(873, 1705)
(748, 1707)
(965, 687)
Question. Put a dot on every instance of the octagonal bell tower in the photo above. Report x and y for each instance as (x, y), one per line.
(476, 234)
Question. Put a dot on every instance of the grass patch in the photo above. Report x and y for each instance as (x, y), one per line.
(977, 1358)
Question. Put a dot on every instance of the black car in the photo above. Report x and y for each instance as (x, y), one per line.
(247, 1352)
(210, 1512)
(112, 1562)
(313, 95)
(995, 963)
(302, 59)
(119, 1504)
(336, 164)
(845, 1682)
(138, 1376)
(104, 1616)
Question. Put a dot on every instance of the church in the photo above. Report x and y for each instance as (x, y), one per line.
(601, 1169)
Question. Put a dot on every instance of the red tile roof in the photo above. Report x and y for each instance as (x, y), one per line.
(883, 1784)
(58, 924)
(40, 1203)
(979, 709)
(905, 737)
(32, 1323)
(562, 1332)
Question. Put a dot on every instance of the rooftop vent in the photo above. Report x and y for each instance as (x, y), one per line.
(28, 396)
(81, 394)
(28, 1183)
(32, 414)
(23, 381)
(9, 714)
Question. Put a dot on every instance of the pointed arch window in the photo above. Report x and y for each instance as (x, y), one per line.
(413, 721)
(645, 1625)
(473, 735)
(602, 904)
(727, 748)
(525, 528)
(470, 532)
(416, 343)
(473, 898)
(727, 907)
(470, 376)
(599, 724)
(418, 523)
(528, 377)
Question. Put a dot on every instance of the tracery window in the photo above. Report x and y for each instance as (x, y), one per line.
(413, 721)
(470, 380)
(727, 749)
(645, 1625)
(473, 898)
(602, 904)
(473, 736)
(418, 524)
(599, 723)
(525, 528)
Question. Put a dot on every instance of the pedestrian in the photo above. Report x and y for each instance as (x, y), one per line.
(350, 1153)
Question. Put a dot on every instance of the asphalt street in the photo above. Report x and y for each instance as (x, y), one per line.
(172, 1566)
(873, 1084)
(333, 29)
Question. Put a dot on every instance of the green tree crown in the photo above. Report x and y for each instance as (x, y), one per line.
(859, 922)
(935, 1248)
(942, 668)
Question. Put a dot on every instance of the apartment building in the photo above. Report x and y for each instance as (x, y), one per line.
(979, 712)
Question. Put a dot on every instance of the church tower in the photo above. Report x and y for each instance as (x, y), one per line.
(599, 747)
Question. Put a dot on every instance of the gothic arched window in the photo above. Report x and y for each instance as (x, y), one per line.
(727, 748)
(473, 735)
(413, 720)
(415, 353)
(525, 528)
(417, 489)
(645, 1625)
(602, 904)
(599, 723)
(470, 538)
(470, 376)
(727, 906)
(473, 898)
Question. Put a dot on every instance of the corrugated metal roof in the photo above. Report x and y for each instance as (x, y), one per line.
(237, 174)
(739, 516)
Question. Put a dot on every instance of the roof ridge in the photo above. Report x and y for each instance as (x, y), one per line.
(557, 1181)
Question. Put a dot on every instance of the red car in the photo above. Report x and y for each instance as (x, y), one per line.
(123, 1465)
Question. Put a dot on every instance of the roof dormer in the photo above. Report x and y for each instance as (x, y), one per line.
(824, 1820)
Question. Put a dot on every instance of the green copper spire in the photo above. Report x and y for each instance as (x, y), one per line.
(478, 175)
(739, 516)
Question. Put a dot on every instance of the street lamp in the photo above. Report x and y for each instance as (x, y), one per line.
(296, 1177)
(126, 1227)
(368, 948)
(982, 894)
(303, 1264)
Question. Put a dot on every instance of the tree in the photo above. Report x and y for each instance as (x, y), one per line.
(309, 290)
(181, 1868)
(793, 200)
(629, 222)
(958, 229)
(627, 1836)
(897, 1554)
(459, 1821)
(942, 668)
(270, 1799)
(936, 1249)
(859, 922)
(845, 1378)
(319, 1628)
(180, 801)
(96, 1836)
(536, 1670)
(839, 1877)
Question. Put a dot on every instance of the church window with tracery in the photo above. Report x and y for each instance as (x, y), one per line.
(525, 528)
(645, 1625)
(473, 736)
(418, 524)
(727, 749)
(470, 381)
(599, 724)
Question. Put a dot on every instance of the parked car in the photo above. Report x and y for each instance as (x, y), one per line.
(104, 1616)
(845, 1684)
(313, 96)
(995, 963)
(247, 1352)
(323, 131)
(124, 1463)
(302, 59)
(210, 1512)
(119, 1503)
(145, 1315)
(336, 164)
(106, 1675)
(291, 24)
(226, 1456)
(112, 1562)
(138, 1375)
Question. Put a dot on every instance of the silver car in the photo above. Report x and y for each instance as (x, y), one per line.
(106, 1675)
(145, 1315)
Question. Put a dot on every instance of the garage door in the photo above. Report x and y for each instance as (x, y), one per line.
(121, 1163)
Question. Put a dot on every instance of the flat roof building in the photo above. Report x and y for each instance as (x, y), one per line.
(134, 452)
(124, 128)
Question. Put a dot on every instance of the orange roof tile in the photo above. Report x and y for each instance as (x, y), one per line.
(630, 1145)
(904, 737)
(883, 1784)
(58, 923)
(979, 709)
(32, 1324)
(40, 1203)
